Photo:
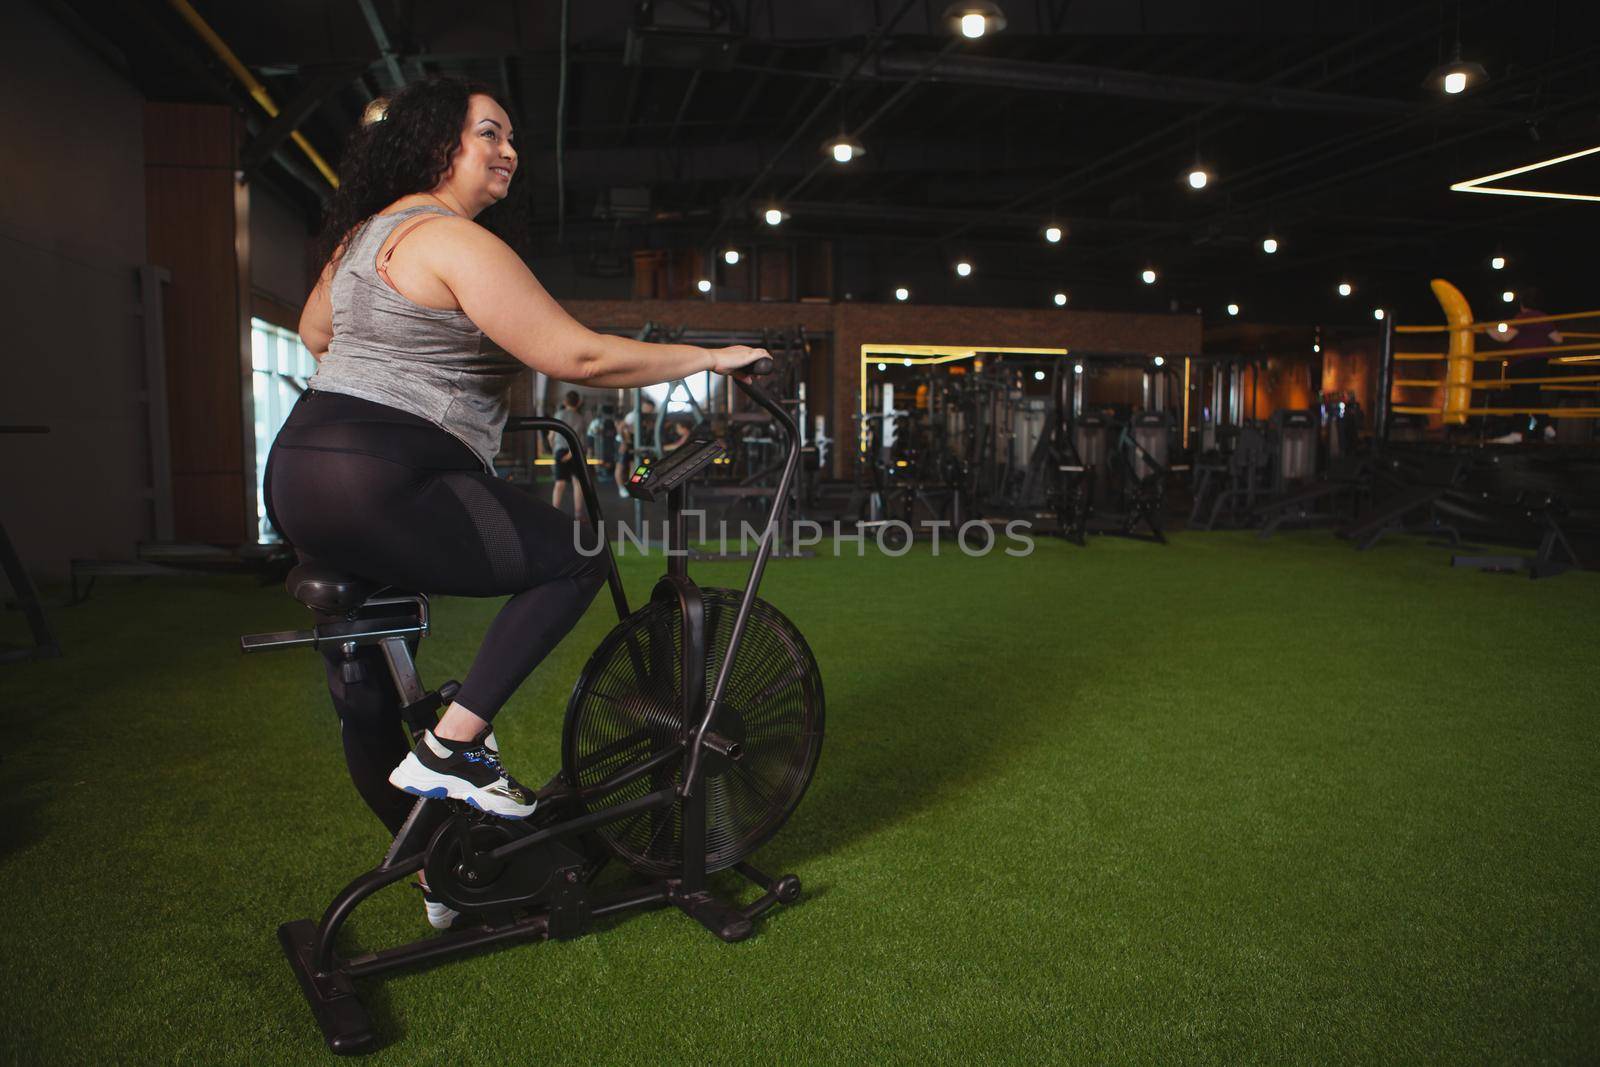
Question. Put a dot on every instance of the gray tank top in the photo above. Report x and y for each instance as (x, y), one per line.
(432, 363)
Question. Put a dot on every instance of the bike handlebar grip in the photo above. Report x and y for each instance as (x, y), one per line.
(764, 365)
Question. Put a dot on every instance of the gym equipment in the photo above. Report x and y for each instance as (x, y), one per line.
(1115, 476)
(1334, 499)
(1261, 468)
(1142, 457)
(1295, 432)
(1555, 554)
(908, 469)
(690, 737)
(1417, 506)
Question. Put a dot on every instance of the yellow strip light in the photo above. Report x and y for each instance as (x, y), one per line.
(257, 91)
(1475, 185)
(1554, 413)
(1508, 353)
(1495, 325)
(1558, 382)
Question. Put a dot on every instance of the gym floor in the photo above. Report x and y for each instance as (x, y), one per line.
(1217, 801)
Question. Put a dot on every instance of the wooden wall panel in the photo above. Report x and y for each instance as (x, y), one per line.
(197, 229)
(773, 278)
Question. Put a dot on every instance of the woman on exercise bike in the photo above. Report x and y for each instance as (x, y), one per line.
(421, 321)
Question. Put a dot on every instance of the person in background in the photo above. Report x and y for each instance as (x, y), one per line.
(627, 452)
(678, 433)
(1513, 428)
(571, 413)
(603, 437)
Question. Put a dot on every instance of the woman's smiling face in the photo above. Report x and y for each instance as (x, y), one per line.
(480, 171)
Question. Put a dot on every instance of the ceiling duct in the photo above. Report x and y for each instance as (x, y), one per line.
(623, 202)
(650, 46)
(689, 36)
(1103, 81)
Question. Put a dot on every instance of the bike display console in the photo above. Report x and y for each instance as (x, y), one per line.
(650, 481)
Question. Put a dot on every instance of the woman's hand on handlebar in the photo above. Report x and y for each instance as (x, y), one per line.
(730, 360)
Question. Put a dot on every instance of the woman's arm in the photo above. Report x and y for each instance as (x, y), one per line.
(500, 294)
(316, 318)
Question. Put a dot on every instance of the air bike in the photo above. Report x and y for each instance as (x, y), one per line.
(690, 737)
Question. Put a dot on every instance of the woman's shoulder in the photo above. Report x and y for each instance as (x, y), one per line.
(415, 207)
(445, 232)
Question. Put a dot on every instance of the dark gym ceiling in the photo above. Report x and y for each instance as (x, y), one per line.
(683, 119)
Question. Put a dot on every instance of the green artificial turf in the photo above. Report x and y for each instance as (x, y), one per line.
(1218, 801)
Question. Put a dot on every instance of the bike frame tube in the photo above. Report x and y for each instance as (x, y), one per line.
(584, 823)
(691, 777)
(345, 903)
(591, 501)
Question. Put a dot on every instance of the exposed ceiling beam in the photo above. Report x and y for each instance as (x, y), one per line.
(380, 36)
(322, 85)
(222, 91)
(877, 39)
(1107, 81)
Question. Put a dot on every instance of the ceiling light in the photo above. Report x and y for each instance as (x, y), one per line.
(1159, 360)
(1233, 309)
(974, 18)
(1377, 313)
(1345, 289)
(1052, 233)
(1508, 296)
(773, 216)
(1061, 300)
(842, 148)
(963, 268)
(1198, 178)
(704, 285)
(1501, 327)
(731, 257)
(1497, 263)
(1038, 375)
(883, 366)
(1077, 368)
(1269, 245)
(1316, 348)
(905, 362)
(1457, 76)
(902, 293)
(1149, 276)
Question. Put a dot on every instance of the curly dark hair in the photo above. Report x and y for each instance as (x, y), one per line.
(407, 152)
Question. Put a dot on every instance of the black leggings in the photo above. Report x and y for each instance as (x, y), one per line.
(391, 497)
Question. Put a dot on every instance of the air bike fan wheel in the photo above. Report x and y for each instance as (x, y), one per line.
(627, 707)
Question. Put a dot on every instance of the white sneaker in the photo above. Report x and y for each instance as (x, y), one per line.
(441, 916)
(466, 771)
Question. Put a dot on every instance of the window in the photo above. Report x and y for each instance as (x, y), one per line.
(698, 386)
(280, 366)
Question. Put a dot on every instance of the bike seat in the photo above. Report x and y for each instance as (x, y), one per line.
(322, 588)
